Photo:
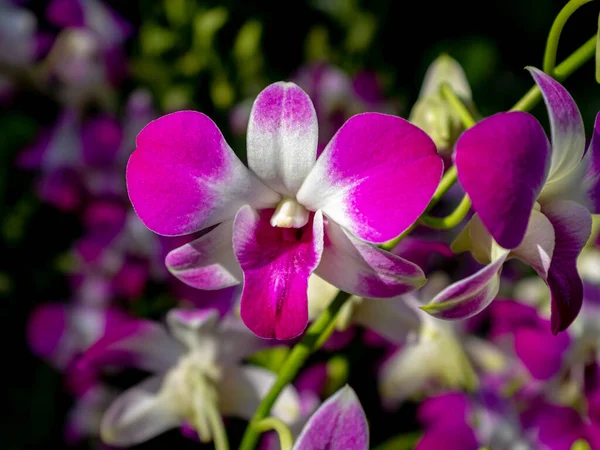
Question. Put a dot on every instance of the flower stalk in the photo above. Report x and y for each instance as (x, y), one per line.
(314, 338)
(555, 32)
(286, 439)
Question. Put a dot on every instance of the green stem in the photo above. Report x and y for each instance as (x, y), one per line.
(273, 423)
(451, 220)
(555, 32)
(314, 338)
(579, 57)
(459, 107)
(217, 427)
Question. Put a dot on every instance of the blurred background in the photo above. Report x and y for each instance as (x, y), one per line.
(78, 80)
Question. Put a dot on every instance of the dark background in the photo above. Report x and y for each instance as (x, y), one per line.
(493, 40)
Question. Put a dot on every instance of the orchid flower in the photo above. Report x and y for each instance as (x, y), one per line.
(94, 15)
(290, 215)
(433, 354)
(431, 112)
(339, 422)
(197, 376)
(529, 203)
(456, 421)
(59, 333)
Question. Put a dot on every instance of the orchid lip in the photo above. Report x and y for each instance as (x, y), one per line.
(289, 214)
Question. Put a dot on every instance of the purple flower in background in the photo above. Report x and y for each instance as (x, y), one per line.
(197, 373)
(110, 28)
(339, 422)
(292, 214)
(58, 332)
(529, 199)
(542, 353)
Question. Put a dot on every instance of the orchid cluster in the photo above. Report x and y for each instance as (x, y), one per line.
(458, 255)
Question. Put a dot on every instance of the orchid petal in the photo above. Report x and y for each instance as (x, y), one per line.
(592, 181)
(276, 263)
(540, 351)
(191, 326)
(572, 228)
(375, 177)
(363, 269)
(100, 140)
(208, 262)
(537, 246)
(47, 330)
(282, 137)
(340, 422)
(502, 164)
(393, 319)
(459, 436)
(137, 415)
(470, 296)
(184, 177)
(436, 356)
(568, 135)
(141, 344)
(242, 389)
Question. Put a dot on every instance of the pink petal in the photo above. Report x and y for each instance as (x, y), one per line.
(339, 423)
(568, 135)
(46, 329)
(375, 177)
(502, 164)
(101, 140)
(208, 262)
(541, 352)
(470, 296)
(593, 176)
(362, 269)
(572, 228)
(183, 176)
(276, 263)
(282, 137)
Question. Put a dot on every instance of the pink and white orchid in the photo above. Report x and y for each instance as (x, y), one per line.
(340, 422)
(291, 214)
(197, 376)
(531, 202)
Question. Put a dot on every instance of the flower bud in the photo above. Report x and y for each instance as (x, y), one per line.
(431, 112)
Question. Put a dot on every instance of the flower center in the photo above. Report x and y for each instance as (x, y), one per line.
(190, 388)
(289, 214)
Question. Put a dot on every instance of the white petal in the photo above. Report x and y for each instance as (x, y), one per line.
(282, 137)
(139, 414)
(243, 388)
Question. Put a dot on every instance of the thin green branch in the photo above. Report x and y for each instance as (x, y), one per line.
(314, 338)
(459, 107)
(216, 424)
(578, 58)
(555, 32)
(286, 440)
(450, 221)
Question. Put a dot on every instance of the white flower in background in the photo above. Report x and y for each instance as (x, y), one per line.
(198, 376)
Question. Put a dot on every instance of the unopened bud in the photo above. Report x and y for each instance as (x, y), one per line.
(432, 113)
